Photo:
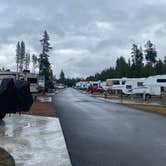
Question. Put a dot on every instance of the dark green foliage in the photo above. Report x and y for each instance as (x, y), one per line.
(150, 52)
(27, 61)
(34, 62)
(18, 55)
(62, 77)
(22, 56)
(134, 67)
(44, 64)
(122, 68)
(137, 61)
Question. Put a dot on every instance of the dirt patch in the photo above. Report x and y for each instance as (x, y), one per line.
(6, 159)
(42, 109)
(149, 108)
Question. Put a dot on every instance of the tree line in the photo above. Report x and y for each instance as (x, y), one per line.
(142, 63)
(41, 62)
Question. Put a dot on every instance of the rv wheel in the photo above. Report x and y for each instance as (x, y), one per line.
(2, 115)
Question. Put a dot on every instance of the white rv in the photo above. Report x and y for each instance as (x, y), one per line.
(116, 85)
(150, 86)
(155, 85)
(133, 85)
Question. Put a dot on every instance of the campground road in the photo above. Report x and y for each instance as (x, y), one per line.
(101, 133)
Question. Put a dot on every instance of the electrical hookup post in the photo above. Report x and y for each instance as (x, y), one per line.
(41, 83)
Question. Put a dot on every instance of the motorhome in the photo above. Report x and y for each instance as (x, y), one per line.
(154, 86)
(150, 86)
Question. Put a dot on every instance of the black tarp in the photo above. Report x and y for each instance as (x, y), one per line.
(15, 96)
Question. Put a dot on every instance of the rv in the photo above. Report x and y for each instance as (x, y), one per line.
(116, 84)
(31, 78)
(133, 86)
(154, 86)
(150, 86)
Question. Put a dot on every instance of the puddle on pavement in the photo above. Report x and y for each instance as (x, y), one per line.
(34, 141)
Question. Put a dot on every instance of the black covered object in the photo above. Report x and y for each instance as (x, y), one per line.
(15, 96)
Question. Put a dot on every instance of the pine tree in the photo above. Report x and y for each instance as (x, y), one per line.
(62, 77)
(18, 55)
(44, 64)
(122, 67)
(34, 62)
(22, 56)
(27, 61)
(150, 52)
(137, 61)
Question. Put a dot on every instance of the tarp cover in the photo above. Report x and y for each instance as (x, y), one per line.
(15, 96)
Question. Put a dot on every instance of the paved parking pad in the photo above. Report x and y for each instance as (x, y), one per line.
(34, 141)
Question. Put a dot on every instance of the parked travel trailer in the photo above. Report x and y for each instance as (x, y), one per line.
(104, 86)
(116, 84)
(133, 85)
(82, 85)
(32, 78)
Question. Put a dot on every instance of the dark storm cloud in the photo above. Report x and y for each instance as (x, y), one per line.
(87, 36)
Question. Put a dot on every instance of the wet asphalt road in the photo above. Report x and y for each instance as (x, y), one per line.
(101, 133)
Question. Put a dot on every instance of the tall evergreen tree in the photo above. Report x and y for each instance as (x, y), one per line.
(18, 55)
(22, 56)
(150, 52)
(137, 61)
(44, 64)
(34, 62)
(122, 68)
(159, 67)
(62, 77)
(27, 61)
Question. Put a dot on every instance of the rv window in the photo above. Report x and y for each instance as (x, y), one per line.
(32, 80)
(128, 87)
(139, 83)
(95, 84)
(161, 80)
(123, 82)
(116, 82)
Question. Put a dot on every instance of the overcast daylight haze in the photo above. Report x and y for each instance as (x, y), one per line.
(86, 36)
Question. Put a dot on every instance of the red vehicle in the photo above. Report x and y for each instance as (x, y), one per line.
(95, 87)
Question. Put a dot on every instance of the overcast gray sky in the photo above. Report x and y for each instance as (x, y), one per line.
(87, 35)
